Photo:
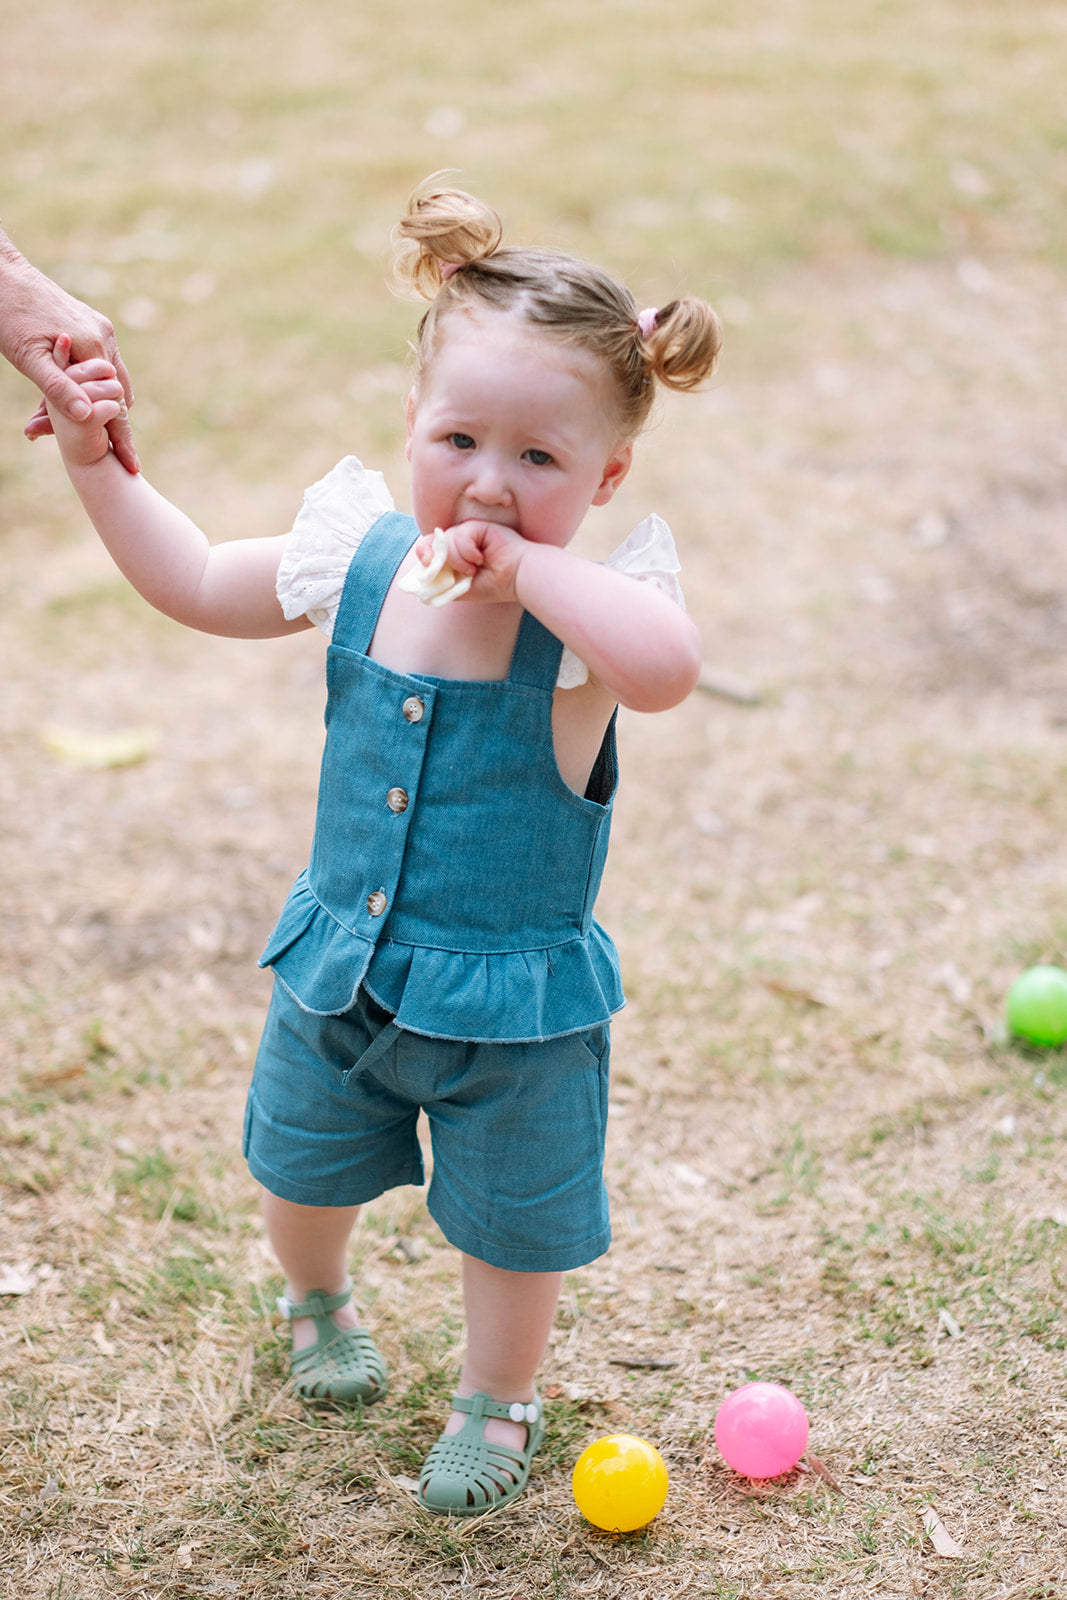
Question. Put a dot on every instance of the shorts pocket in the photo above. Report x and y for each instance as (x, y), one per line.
(596, 1044)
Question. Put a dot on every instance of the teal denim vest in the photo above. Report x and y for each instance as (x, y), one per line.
(453, 872)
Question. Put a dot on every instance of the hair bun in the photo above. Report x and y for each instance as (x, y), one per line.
(443, 227)
(683, 344)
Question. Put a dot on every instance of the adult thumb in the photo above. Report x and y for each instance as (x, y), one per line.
(59, 390)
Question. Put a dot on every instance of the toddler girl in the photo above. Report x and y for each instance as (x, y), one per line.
(440, 951)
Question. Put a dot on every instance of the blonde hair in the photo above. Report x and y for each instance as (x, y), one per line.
(449, 251)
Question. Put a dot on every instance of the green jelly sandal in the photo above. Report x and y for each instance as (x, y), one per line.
(464, 1474)
(344, 1363)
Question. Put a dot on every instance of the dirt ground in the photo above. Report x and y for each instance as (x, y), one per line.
(825, 1166)
(828, 1167)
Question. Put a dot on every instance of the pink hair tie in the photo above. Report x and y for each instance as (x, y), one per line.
(646, 320)
(448, 268)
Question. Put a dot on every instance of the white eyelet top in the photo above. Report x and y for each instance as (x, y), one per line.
(344, 505)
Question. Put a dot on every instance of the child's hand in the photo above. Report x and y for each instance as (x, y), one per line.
(432, 580)
(486, 553)
(84, 443)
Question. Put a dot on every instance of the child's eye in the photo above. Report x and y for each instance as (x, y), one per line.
(461, 441)
(538, 458)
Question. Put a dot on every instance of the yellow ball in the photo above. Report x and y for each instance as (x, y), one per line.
(619, 1483)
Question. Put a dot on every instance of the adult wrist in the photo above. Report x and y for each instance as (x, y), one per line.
(12, 257)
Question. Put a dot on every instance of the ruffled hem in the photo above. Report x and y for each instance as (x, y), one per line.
(504, 997)
(319, 960)
(501, 997)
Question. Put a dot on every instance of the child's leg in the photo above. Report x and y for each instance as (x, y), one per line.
(333, 1358)
(311, 1243)
(509, 1318)
(482, 1460)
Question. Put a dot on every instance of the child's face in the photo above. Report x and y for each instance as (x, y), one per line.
(509, 426)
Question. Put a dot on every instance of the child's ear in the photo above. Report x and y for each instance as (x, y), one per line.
(409, 417)
(615, 471)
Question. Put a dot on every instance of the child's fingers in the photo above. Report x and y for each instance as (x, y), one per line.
(64, 387)
(118, 426)
(93, 370)
(104, 389)
(102, 412)
(94, 367)
(470, 543)
(40, 424)
(60, 391)
(459, 547)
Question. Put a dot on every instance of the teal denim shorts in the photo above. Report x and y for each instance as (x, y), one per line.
(517, 1130)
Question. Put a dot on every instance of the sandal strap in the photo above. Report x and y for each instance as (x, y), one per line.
(464, 1475)
(481, 1405)
(317, 1303)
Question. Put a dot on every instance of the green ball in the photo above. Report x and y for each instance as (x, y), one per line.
(1037, 1005)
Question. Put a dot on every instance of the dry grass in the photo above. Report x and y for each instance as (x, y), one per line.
(826, 1166)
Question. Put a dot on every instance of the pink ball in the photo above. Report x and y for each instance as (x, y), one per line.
(761, 1430)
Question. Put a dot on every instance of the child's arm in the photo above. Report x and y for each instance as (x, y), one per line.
(638, 644)
(224, 588)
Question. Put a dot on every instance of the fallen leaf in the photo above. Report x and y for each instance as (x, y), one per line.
(45, 1080)
(409, 1485)
(101, 1340)
(821, 1470)
(12, 1281)
(687, 1176)
(943, 1542)
(946, 1320)
(811, 997)
(81, 748)
(552, 1391)
(183, 1557)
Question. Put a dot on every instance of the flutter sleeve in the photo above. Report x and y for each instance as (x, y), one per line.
(336, 513)
(648, 554)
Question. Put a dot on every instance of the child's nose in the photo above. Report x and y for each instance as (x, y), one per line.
(489, 484)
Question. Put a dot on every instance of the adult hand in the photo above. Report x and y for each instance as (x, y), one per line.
(34, 311)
